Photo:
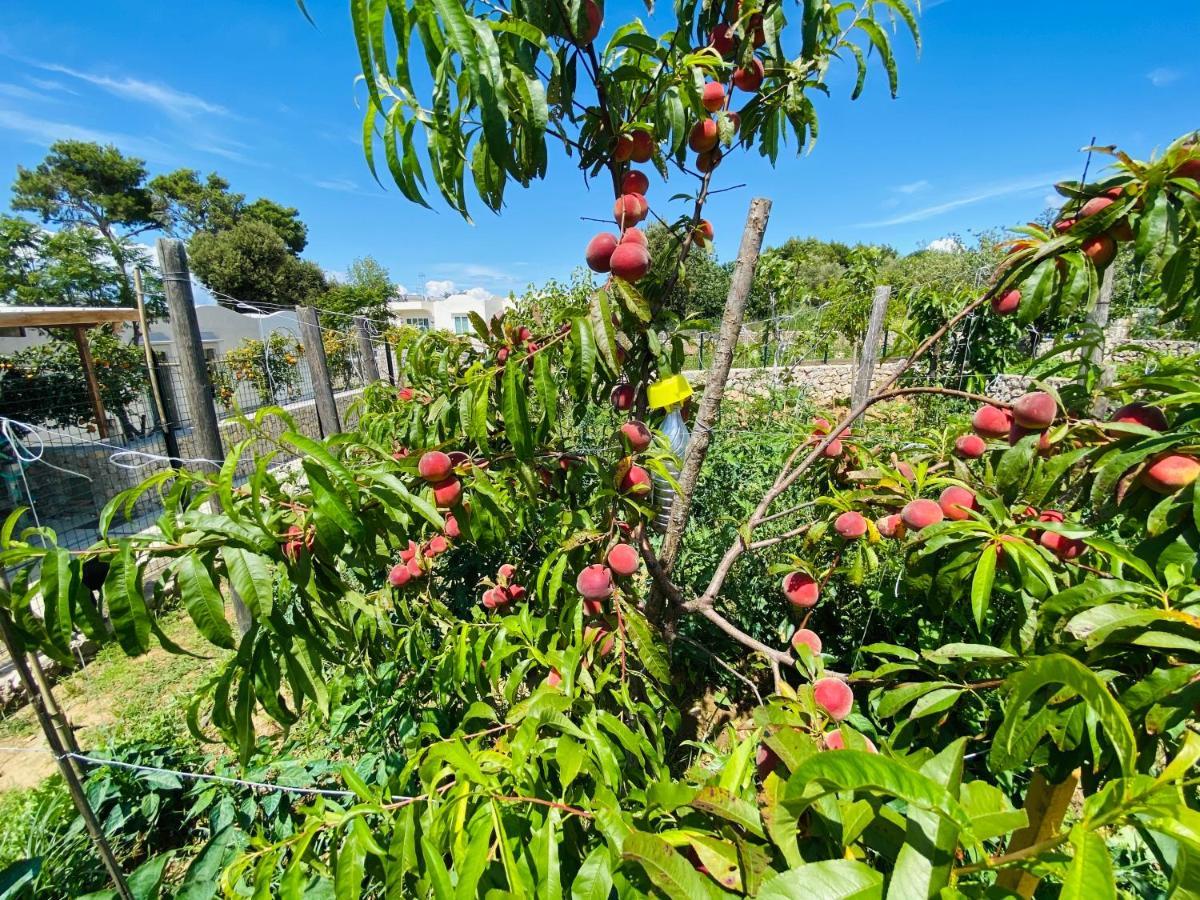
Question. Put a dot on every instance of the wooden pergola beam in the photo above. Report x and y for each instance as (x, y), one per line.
(63, 316)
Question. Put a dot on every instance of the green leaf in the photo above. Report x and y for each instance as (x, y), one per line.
(923, 865)
(202, 600)
(1090, 876)
(253, 577)
(833, 879)
(594, 879)
(856, 770)
(668, 870)
(981, 584)
(720, 802)
(1059, 669)
(516, 413)
(126, 604)
(349, 867)
(203, 875)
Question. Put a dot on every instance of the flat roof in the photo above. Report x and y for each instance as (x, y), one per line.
(51, 316)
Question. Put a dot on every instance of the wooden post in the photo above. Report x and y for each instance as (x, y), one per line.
(318, 369)
(185, 328)
(74, 787)
(160, 405)
(714, 384)
(870, 346)
(89, 373)
(197, 384)
(1046, 806)
(366, 352)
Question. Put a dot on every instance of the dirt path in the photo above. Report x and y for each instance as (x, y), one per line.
(114, 698)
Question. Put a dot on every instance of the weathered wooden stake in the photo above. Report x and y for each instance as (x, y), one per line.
(1098, 318)
(89, 373)
(160, 405)
(870, 346)
(65, 766)
(197, 383)
(318, 369)
(366, 352)
(718, 375)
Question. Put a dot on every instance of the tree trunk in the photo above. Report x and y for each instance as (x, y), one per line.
(718, 375)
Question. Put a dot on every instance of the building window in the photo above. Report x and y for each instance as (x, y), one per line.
(421, 323)
(462, 324)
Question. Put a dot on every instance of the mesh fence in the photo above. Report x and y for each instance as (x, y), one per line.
(64, 463)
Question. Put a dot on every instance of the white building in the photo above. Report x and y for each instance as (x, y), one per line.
(449, 313)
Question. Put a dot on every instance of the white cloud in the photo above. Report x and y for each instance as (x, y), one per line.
(912, 187)
(337, 184)
(945, 245)
(1003, 189)
(476, 293)
(439, 288)
(20, 92)
(172, 101)
(46, 131)
(1163, 76)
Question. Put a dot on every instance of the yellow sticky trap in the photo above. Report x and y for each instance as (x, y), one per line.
(668, 392)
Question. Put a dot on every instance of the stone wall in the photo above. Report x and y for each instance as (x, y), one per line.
(824, 385)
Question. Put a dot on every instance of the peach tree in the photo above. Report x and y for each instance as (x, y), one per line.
(484, 533)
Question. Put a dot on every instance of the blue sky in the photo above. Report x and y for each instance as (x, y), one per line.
(991, 113)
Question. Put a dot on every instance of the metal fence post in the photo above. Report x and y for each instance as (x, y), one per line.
(870, 345)
(318, 368)
(366, 353)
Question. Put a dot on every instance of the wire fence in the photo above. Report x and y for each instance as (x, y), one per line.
(64, 463)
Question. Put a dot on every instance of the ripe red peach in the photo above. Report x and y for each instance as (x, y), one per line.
(1100, 249)
(833, 450)
(634, 236)
(594, 582)
(554, 679)
(970, 446)
(410, 551)
(801, 589)
(1061, 546)
(850, 525)
(1189, 168)
(704, 231)
(906, 471)
(766, 761)
(599, 250)
(991, 422)
(446, 493)
(623, 559)
(399, 575)
(622, 397)
(955, 502)
(506, 571)
(452, 529)
(595, 17)
(637, 435)
(707, 161)
(516, 593)
(703, 136)
(806, 638)
(404, 395)
(834, 696)
(630, 262)
(415, 569)
(891, 526)
(921, 514)
(636, 481)
(635, 182)
(721, 39)
(1141, 414)
(713, 96)
(623, 151)
(1035, 410)
(643, 146)
(435, 466)
(629, 209)
(1007, 303)
(834, 740)
(1170, 472)
(1095, 205)
(749, 78)
(436, 547)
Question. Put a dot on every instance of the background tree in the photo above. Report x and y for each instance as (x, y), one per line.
(366, 291)
(251, 262)
(188, 205)
(84, 183)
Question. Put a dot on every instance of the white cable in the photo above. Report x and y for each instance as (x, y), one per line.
(28, 455)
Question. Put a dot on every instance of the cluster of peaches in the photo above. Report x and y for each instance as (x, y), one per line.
(504, 591)
(1100, 248)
